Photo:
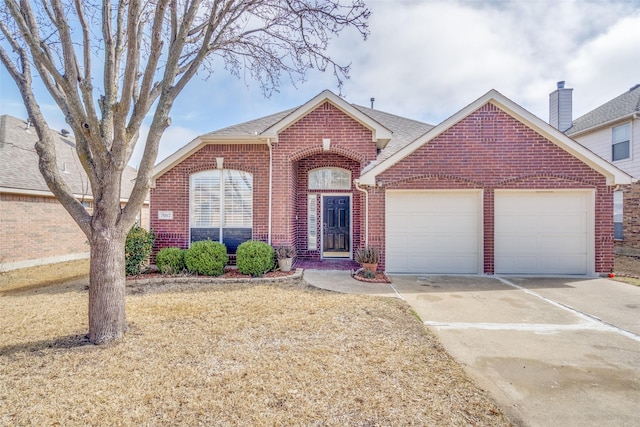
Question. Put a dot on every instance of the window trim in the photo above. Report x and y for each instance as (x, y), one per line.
(619, 142)
(346, 172)
(221, 226)
(619, 204)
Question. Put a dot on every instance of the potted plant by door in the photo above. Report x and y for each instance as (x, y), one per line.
(285, 255)
(368, 257)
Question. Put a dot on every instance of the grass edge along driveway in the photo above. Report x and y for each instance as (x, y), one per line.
(241, 354)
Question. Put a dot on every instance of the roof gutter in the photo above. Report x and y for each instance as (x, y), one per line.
(356, 182)
(270, 189)
(607, 123)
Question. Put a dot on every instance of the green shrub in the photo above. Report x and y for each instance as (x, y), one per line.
(137, 249)
(255, 258)
(206, 257)
(368, 274)
(170, 260)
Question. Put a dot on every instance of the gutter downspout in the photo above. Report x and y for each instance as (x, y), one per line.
(270, 187)
(356, 182)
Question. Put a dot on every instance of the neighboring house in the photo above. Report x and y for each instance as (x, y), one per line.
(612, 131)
(492, 189)
(34, 228)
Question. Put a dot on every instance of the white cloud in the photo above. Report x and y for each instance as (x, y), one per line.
(428, 59)
(606, 66)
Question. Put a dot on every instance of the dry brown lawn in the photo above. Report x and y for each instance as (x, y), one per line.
(241, 354)
(627, 269)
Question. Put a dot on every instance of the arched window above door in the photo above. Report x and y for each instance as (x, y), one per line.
(329, 179)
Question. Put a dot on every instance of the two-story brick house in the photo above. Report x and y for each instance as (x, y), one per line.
(612, 131)
(492, 189)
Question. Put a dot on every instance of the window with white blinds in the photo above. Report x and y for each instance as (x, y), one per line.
(221, 198)
(238, 199)
(205, 199)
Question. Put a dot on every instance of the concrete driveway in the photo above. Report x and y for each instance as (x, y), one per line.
(552, 351)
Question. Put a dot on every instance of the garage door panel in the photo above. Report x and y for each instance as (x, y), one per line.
(551, 237)
(569, 223)
(433, 232)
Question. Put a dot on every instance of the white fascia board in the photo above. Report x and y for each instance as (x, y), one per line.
(604, 124)
(174, 159)
(43, 193)
(195, 145)
(379, 134)
(613, 174)
(369, 177)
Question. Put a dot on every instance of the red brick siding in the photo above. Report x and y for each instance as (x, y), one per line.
(490, 150)
(299, 148)
(36, 228)
(172, 190)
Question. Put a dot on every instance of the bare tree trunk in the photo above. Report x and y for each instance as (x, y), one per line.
(107, 318)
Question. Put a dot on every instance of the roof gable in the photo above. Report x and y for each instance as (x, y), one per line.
(380, 134)
(612, 173)
(268, 128)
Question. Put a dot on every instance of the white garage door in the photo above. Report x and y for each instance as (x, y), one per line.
(542, 232)
(433, 231)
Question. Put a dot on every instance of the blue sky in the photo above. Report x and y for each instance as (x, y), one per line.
(428, 59)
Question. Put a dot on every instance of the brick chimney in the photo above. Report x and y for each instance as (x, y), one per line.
(561, 108)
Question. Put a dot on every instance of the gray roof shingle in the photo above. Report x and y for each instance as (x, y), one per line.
(404, 130)
(252, 126)
(620, 106)
(19, 168)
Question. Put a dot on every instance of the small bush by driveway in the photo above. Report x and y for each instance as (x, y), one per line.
(230, 355)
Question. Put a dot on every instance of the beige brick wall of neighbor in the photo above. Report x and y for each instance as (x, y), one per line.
(37, 230)
(630, 243)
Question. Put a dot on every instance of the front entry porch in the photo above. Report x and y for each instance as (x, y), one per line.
(326, 264)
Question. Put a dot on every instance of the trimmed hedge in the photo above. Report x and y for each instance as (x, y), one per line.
(255, 258)
(207, 258)
(137, 249)
(170, 261)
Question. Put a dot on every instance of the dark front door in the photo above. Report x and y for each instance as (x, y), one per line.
(336, 214)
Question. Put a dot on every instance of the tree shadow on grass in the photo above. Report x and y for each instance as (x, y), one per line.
(51, 287)
(64, 342)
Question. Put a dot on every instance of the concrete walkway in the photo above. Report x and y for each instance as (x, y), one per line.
(551, 351)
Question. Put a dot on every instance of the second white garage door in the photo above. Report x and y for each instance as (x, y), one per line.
(543, 232)
(433, 231)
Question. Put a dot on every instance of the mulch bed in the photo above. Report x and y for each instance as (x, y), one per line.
(380, 277)
(229, 273)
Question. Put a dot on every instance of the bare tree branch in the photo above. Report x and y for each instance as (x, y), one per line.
(149, 51)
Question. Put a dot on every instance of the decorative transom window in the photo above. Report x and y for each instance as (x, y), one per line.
(329, 179)
(621, 142)
(221, 206)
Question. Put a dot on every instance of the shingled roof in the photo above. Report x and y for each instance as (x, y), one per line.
(619, 107)
(19, 171)
(404, 130)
